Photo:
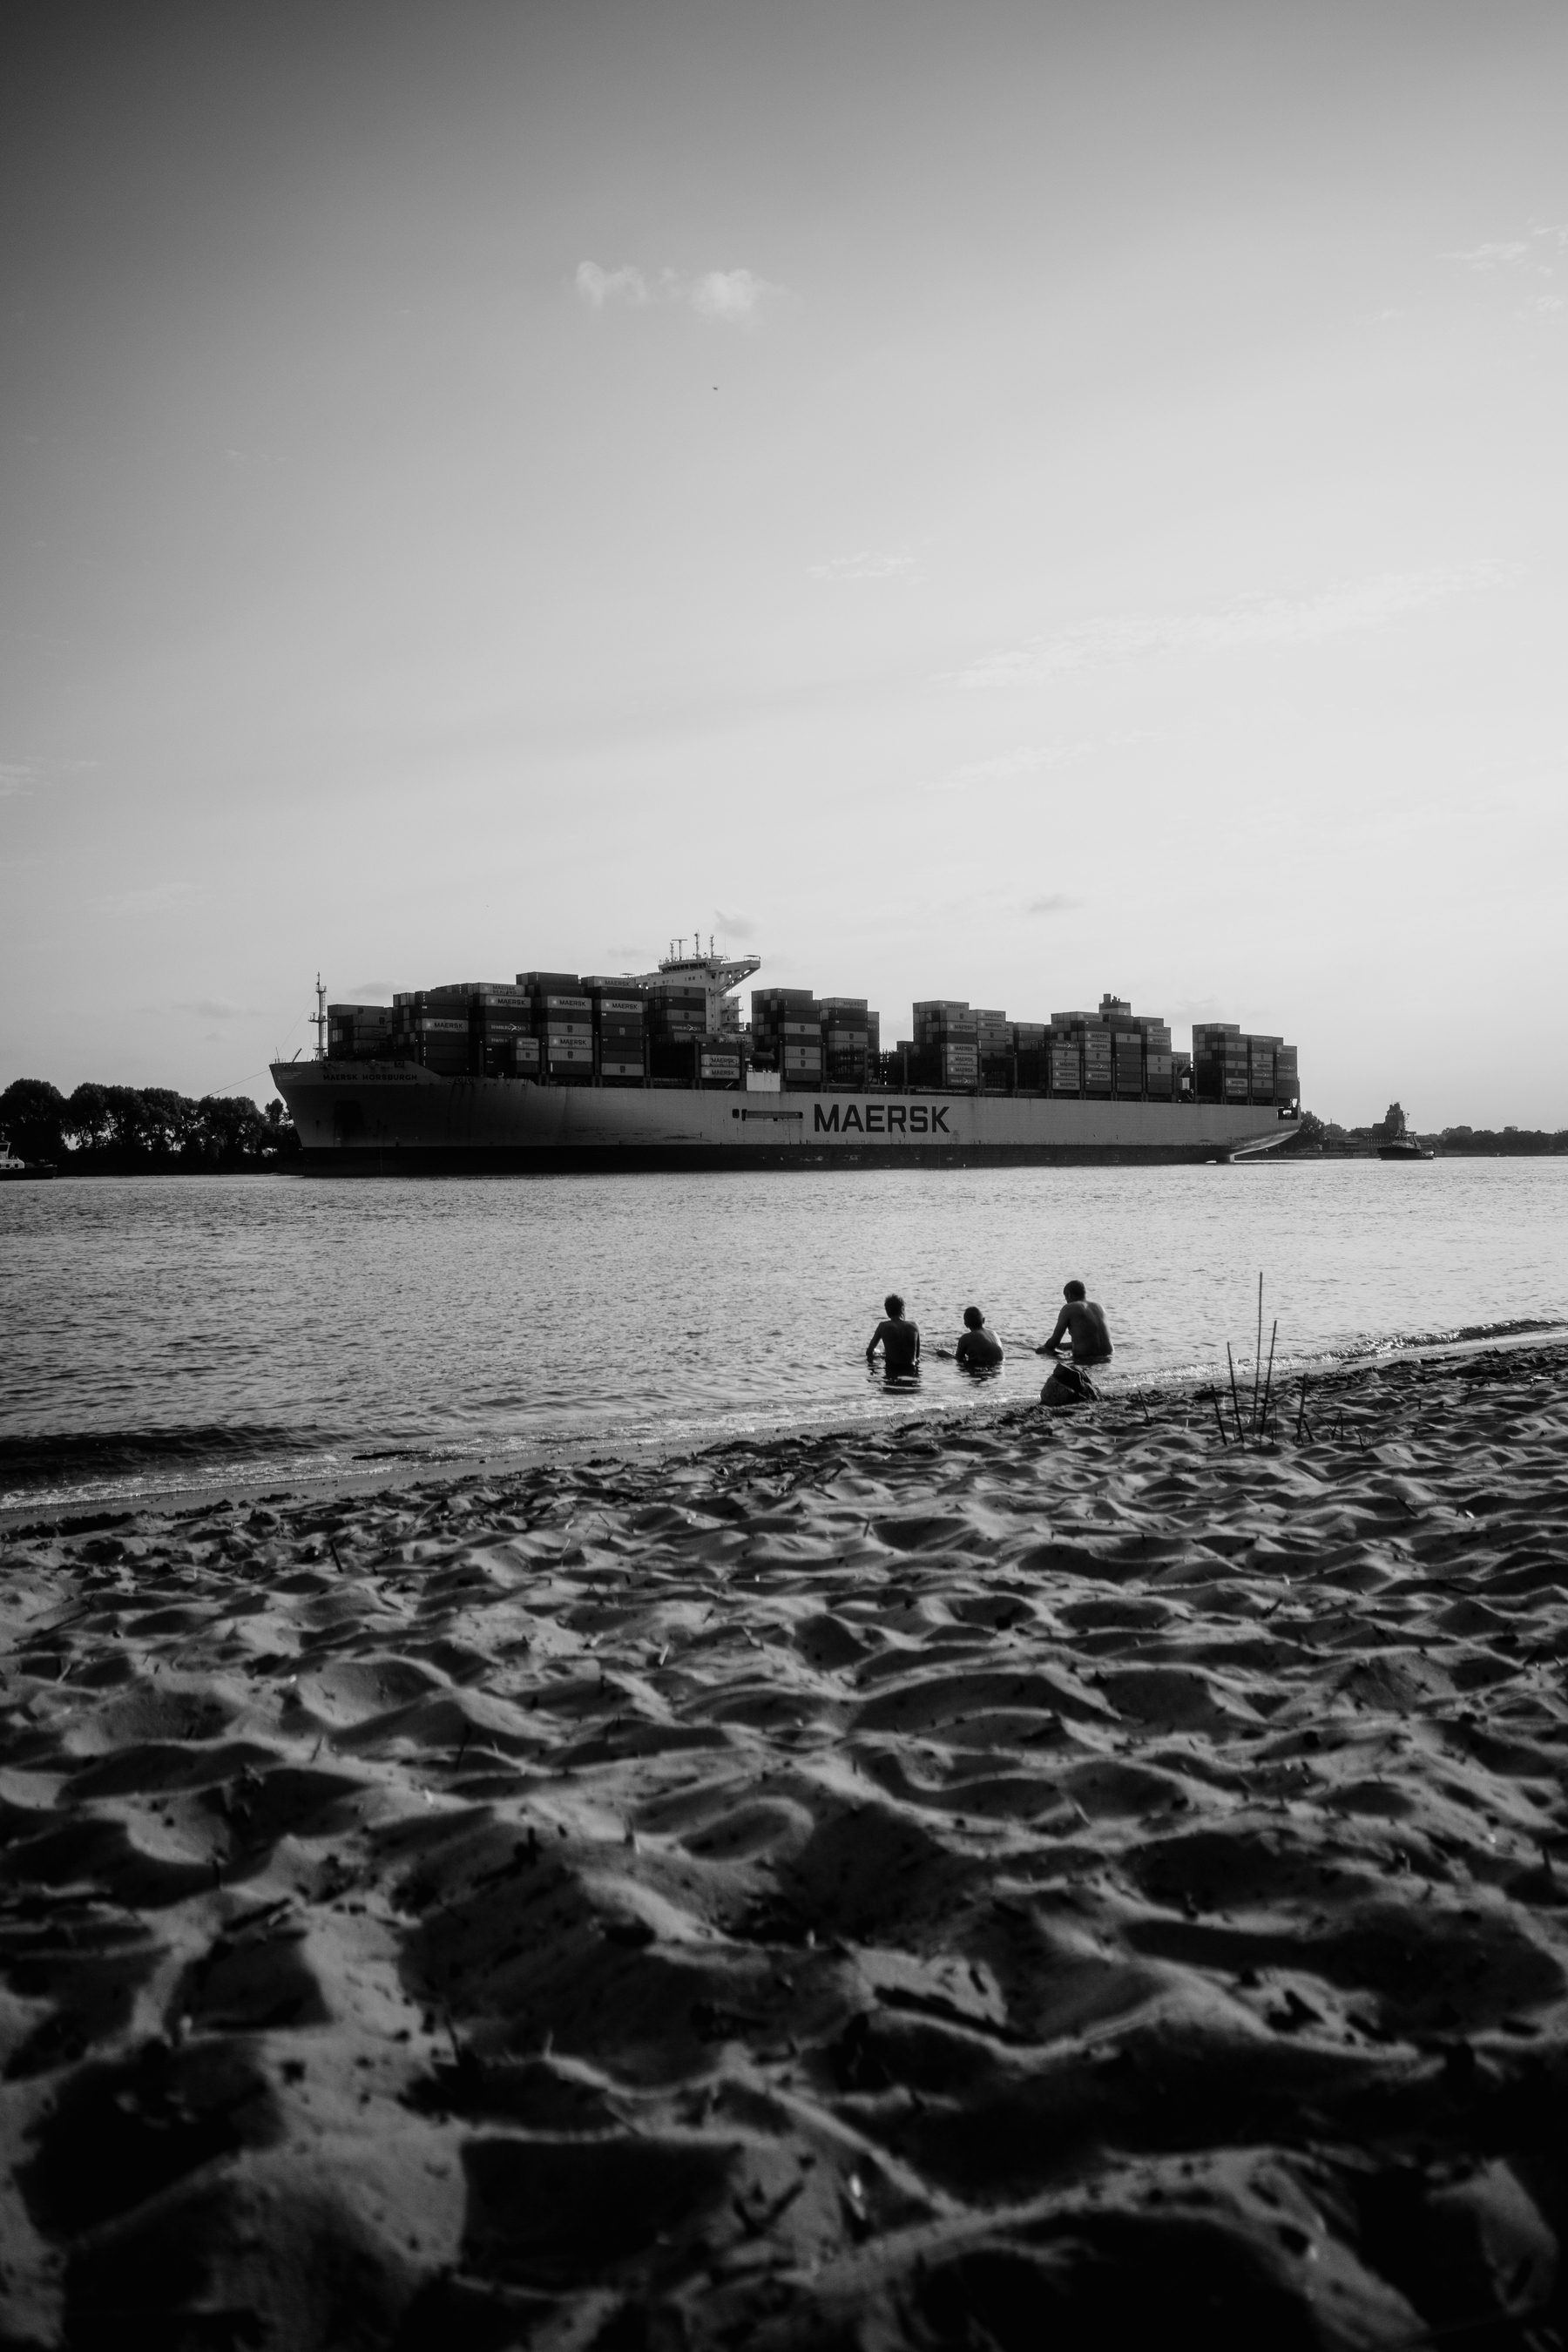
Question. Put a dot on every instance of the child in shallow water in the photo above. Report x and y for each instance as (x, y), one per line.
(979, 1349)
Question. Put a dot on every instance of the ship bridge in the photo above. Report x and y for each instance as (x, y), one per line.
(718, 977)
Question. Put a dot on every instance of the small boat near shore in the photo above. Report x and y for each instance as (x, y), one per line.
(22, 1171)
(1397, 1141)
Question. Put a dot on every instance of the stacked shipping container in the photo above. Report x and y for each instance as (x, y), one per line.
(358, 1032)
(501, 1039)
(786, 1026)
(678, 1027)
(619, 1030)
(994, 1044)
(1031, 1065)
(1159, 1063)
(1232, 1064)
(609, 1031)
(561, 1017)
(947, 1044)
(469, 1028)
(848, 1031)
(428, 1028)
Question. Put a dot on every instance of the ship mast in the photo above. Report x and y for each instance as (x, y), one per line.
(319, 1020)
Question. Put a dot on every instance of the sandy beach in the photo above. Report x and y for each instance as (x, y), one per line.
(1063, 1881)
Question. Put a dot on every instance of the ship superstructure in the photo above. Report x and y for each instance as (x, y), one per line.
(715, 978)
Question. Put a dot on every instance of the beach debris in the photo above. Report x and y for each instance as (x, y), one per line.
(1069, 1386)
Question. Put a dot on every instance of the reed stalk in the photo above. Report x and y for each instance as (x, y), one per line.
(1268, 1383)
(1235, 1400)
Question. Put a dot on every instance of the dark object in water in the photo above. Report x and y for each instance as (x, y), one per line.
(1404, 1147)
(1396, 1140)
(1069, 1384)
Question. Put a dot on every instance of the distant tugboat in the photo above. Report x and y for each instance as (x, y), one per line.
(1398, 1143)
(21, 1171)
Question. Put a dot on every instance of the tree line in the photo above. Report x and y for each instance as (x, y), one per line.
(1315, 1135)
(135, 1130)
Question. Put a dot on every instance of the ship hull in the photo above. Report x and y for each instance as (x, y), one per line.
(391, 1119)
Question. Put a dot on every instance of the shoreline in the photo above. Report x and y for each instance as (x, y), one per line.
(902, 1879)
(286, 1479)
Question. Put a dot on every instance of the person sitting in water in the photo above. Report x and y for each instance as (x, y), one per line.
(1083, 1323)
(979, 1349)
(899, 1340)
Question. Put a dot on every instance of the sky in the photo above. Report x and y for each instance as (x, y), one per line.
(992, 501)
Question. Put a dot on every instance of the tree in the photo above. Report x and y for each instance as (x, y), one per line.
(1309, 1136)
(282, 1139)
(167, 1120)
(32, 1118)
(233, 1129)
(133, 1134)
(88, 1122)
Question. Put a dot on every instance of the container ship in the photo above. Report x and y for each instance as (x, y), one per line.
(560, 1070)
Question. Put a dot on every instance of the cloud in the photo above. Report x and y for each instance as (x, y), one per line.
(217, 1008)
(735, 927)
(1025, 760)
(1507, 256)
(598, 286)
(730, 296)
(1514, 252)
(638, 954)
(865, 566)
(1056, 902)
(1348, 607)
(19, 779)
(365, 992)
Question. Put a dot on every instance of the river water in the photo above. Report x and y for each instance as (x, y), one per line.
(169, 1333)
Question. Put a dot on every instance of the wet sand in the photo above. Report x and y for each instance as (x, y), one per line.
(1057, 1881)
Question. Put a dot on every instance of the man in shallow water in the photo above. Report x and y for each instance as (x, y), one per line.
(899, 1340)
(979, 1349)
(1083, 1324)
